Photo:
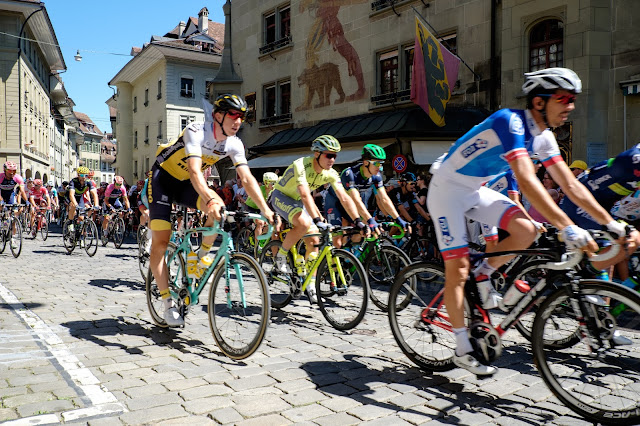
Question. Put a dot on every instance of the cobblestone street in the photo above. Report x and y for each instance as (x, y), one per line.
(77, 345)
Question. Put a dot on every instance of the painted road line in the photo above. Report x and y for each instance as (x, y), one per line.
(102, 401)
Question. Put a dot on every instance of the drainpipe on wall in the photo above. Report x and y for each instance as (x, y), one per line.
(493, 81)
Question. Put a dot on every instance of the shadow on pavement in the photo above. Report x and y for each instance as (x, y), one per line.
(26, 305)
(366, 379)
(122, 256)
(118, 284)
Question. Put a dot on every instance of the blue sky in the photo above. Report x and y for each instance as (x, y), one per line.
(100, 29)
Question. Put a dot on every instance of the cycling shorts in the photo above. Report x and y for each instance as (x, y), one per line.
(163, 191)
(334, 212)
(287, 208)
(450, 204)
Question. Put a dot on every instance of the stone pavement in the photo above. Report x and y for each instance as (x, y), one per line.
(77, 345)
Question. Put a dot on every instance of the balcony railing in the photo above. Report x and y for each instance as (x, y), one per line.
(383, 4)
(275, 45)
(392, 97)
(276, 119)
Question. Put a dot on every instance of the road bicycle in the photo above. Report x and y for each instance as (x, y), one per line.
(342, 286)
(10, 227)
(238, 307)
(84, 234)
(41, 224)
(115, 229)
(571, 335)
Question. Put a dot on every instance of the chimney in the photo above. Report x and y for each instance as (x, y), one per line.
(181, 26)
(203, 20)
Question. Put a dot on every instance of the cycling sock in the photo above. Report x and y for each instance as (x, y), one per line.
(462, 341)
(166, 298)
(282, 252)
(204, 250)
(484, 269)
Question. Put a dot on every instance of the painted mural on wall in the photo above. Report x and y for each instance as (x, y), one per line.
(322, 79)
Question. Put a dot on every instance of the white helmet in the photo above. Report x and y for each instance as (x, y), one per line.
(552, 79)
(269, 177)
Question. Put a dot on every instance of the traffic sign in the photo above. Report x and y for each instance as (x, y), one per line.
(399, 163)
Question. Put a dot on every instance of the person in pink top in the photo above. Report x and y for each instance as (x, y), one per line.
(552, 188)
(114, 196)
(38, 197)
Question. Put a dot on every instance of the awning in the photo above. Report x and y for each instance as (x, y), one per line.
(411, 123)
(349, 154)
(425, 152)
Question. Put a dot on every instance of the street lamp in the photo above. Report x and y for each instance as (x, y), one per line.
(78, 57)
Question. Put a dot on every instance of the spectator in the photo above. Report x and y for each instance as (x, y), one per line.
(577, 167)
(228, 194)
(241, 197)
(552, 189)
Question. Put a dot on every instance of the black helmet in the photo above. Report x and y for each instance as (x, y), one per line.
(408, 177)
(227, 102)
(65, 183)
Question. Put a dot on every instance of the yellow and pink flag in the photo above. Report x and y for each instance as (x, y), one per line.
(435, 72)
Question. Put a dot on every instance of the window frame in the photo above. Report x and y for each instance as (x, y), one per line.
(281, 113)
(184, 89)
(281, 29)
(159, 95)
(546, 43)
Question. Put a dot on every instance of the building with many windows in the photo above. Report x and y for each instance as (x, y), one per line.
(90, 149)
(310, 67)
(161, 90)
(108, 153)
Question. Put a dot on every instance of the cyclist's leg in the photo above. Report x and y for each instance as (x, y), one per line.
(334, 213)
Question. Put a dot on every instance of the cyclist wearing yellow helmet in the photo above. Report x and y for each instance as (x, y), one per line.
(292, 197)
(78, 188)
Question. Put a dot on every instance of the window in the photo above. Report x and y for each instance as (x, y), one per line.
(135, 168)
(185, 120)
(277, 29)
(135, 139)
(146, 97)
(408, 66)
(146, 135)
(545, 45)
(159, 89)
(250, 99)
(160, 129)
(388, 72)
(146, 165)
(277, 103)
(135, 104)
(186, 87)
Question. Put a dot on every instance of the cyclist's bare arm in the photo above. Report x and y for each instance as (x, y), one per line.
(421, 211)
(94, 195)
(385, 204)
(404, 213)
(515, 197)
(253, 189)
(200, 185)
(307, 200)
(23, 195)
(347, 202)
(577, 192)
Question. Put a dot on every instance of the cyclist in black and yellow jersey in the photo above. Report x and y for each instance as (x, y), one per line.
(292, 199)
(80, 189)
(177, 177)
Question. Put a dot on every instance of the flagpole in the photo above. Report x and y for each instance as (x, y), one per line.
(477, 77)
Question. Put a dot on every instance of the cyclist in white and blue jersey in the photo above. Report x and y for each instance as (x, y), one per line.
(506, 139)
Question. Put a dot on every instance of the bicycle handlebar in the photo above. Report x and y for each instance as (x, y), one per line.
(574, 257)
(230, 216)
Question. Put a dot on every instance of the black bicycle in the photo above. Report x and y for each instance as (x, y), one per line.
(10, 229)
(82, 231)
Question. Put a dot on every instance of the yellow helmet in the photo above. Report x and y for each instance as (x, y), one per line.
(83, 170)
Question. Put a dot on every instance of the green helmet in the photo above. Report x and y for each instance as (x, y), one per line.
(373, 152)
(325, 143)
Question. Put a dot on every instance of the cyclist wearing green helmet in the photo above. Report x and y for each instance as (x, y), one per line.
(292, 197)
(357, 180)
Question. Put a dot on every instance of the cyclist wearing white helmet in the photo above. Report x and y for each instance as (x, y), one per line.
(269, 180)
(505, 139)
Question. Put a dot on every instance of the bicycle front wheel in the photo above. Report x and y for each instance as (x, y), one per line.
(44, 229)
(118, 232)
(16, 243)
(599, 382)
(418, 318)
(239, 306)
(90, 237)
(383, 265)
(68, 237)
(342, 299)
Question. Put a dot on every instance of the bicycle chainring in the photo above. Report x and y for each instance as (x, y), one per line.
(486, 342)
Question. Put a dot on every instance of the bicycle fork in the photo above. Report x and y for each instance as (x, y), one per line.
(591, 326)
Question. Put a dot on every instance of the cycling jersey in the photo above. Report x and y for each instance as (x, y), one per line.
(198, 140)
(8, 187)
(351, 178)
(505, 183)
(78, 189)
(485, 150)
(54, 193)
(628, 208)
(265, 194)
(609, 181)
(38, 194)
(112, 193)
(302, 171)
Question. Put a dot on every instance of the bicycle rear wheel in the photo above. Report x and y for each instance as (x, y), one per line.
(383, 265)
(239, 316)
(601, 385)
(177, 270)
(342, 302)
(243, 244)
(118, 232)
(418, 318)
(90, 237)
(278, 282)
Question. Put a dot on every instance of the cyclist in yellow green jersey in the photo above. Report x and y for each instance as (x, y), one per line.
(268, 181)
(292, 197)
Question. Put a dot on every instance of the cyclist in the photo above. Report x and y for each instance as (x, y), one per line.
(292, 199)
(268, 181)
(38, 197)
(63, 202)
(53, 196)
(11, 184)
(79, 190)
(114, 196)
(404, 197)
(356, 180)
(178, 177)
(505, 139)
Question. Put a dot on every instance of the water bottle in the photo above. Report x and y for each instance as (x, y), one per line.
(192, 265)
(515, 293)
(310, 261)
(299, 260)
(618, 309)
(357, 250)
(630, 282)
(203, 265)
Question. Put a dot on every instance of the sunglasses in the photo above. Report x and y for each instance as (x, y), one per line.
(236, 114)
(562, 99)
(84, 176)
(377, 163)
(330, 155)
(411, 183)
